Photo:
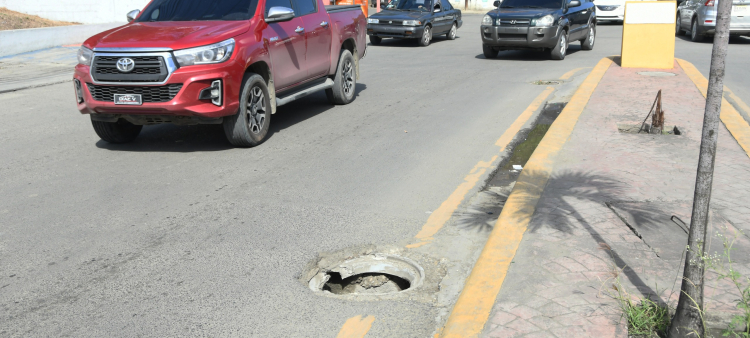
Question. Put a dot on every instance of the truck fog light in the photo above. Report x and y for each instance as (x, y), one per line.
(540, 31)
(212, 93)
(79, 90)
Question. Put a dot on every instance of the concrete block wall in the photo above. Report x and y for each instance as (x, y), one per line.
(82, 11)
(474, 5)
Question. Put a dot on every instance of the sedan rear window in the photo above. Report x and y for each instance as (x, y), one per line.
(531, 4)
(199, 10)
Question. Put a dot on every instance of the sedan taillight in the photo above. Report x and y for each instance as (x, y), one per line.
(709, 3)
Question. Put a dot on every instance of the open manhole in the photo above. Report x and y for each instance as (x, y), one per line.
(376, 274)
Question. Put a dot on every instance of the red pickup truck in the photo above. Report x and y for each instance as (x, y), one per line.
(229, 62)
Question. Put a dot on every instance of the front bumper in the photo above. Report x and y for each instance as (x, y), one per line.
(186, 103)
(519, 37)
(617, 14)
(394, 31)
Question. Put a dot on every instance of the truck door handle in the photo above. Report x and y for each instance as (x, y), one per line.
(324, 24)
(299, 29)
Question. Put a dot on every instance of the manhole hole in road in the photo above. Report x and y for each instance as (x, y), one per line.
(376, 274)
(547, 82)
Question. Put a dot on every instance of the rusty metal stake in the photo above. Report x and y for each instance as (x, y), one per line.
(657, 119)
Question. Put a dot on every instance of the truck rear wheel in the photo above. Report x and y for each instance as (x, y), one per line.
(374, 40)
(249, 127)
(345, 80)
(116, 132)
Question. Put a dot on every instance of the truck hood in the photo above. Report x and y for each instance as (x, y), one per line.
(400, 15)
(175, 35)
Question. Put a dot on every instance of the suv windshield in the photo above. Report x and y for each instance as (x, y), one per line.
(198, 10)
(414, 5)
(531, 4)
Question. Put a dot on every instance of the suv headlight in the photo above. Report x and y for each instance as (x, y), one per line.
(412, 23)
(373, 21)
(487, 20)
(545, 21)
(216, 53)
(84, 56)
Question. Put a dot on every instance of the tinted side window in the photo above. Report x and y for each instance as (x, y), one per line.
(446, 5)
(277, 3)
(303, 7)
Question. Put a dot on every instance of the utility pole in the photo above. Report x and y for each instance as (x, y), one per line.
(687, 319)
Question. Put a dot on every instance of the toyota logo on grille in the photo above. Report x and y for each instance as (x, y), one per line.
(125, 65)
(512, 22)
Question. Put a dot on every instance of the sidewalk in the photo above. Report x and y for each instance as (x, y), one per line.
(608, 207)
(36, 69)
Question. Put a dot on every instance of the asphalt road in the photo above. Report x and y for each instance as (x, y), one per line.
(178, 234)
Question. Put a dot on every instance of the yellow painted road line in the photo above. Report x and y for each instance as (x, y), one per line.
(439, 217)
(475, 303)
(737, 126)
(356, 327)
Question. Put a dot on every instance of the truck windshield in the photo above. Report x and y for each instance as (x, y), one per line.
(198, 10)
(408, 5)
(531, 4)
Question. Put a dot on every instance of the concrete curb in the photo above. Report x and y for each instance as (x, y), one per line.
(737, 126)
(474, 305)
(19, 41)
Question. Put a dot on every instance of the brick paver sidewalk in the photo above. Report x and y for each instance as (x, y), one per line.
(559, 284)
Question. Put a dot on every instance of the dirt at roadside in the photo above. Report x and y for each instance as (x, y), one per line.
(15, 20)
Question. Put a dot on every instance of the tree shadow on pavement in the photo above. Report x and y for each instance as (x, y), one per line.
(573, 200)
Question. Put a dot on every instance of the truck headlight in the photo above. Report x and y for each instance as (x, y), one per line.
(84, 56)
(412, 23)
(216, 53)
(373, 21)
(545, 21)
(487, 20)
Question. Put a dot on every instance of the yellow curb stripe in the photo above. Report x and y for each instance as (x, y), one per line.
(475, 303)
(737, 126)
(356, 327)
(442, 214)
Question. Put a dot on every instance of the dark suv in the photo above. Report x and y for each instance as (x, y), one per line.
(547, 25)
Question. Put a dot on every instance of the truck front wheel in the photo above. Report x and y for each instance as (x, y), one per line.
(116, 132)
(249, 127)
(345, 80)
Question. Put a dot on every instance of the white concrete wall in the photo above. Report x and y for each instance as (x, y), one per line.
(83, 11)
(474, 5)
(19, 41)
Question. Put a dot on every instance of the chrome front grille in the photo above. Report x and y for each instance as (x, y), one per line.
(514, 22)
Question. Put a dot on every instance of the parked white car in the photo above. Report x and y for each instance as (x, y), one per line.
(610, 10)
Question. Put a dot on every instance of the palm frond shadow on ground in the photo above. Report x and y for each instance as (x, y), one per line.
(572, 200)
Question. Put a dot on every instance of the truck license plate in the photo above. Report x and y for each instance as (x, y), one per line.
(129, 99)
(739, 10)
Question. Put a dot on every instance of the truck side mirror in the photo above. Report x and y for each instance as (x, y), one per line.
(497, 3)
(133, 14)
(279, 14)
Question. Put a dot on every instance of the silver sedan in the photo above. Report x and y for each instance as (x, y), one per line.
(699, 18)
